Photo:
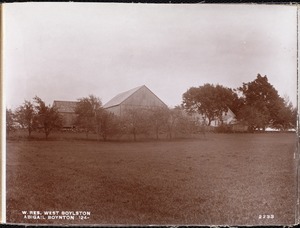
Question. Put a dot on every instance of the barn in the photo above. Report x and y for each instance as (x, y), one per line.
(67, 110)
(139, 97)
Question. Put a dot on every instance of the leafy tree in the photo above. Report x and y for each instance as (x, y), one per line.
(254, 117)
(48, 117)
(237, 103)
(89, 110)
(262, 106)
(10, 119)
(208, 100)
(26, 116)
(286, 117)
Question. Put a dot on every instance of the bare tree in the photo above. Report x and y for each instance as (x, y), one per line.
(110, 124)
(172, 121)
(136, 121)
(158, 118)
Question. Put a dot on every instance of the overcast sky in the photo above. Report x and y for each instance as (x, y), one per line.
(65, 51)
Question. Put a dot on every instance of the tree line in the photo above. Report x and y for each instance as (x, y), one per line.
(92, 118)
(33, 116)
(256, 104)
(147, 121)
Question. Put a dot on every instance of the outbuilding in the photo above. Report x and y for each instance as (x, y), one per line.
(139, 97)
(67, 110)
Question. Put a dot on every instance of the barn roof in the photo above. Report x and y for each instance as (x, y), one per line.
(65, 106)
(121, 97)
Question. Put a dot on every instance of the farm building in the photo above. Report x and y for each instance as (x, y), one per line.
(67, 111)
(139, 97)
(227, 118)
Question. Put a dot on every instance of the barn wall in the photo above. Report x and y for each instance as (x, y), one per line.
(68, 119)
(115, 110)
(143, 97)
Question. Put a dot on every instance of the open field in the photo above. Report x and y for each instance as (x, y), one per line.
(222, 179)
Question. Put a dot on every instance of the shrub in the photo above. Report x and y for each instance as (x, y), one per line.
(224, 128)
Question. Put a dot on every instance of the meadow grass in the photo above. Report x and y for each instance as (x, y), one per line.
(220, 179)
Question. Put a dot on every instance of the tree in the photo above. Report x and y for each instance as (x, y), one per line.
(10, 119)
(181, 123)
(254, 117)
(237, 103)
(286, 117)
(158, 118)
(48, 117)
(109, 124)
(173, 118)
(208, 100)
(261, 104)
(26, 116)
(89, 110)
(136, 121)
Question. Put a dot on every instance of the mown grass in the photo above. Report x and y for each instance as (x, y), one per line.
(220, 179)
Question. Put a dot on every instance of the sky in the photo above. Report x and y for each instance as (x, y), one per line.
(66, 51)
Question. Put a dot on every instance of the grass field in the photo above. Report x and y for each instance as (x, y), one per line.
(221, 179)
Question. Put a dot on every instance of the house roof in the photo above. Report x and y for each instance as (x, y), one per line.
(121, 97)
(65, 106)
(231, 112)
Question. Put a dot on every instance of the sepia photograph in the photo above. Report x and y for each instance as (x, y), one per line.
(150, 114)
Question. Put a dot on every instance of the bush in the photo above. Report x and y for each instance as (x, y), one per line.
(224, 128)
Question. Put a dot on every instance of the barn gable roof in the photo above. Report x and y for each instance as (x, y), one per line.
(65, 106)
(121, 97)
